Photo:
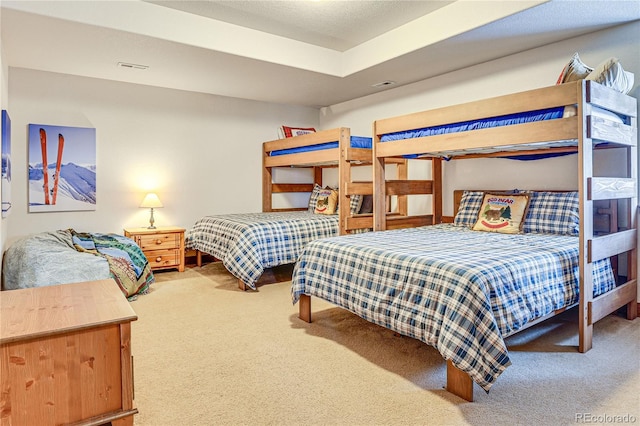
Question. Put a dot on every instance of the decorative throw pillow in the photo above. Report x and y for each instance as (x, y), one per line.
(574, 70)
(327, 202)
(469, 208)
(502, 213)
(553, 213)
(367, 204)
(611, 74)
(313, 199)
(288, 132)
(355, 203)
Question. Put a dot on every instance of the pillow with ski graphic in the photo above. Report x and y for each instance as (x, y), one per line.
(502, 213)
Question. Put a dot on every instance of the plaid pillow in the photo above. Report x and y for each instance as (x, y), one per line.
(355, 203)
(313, 199)
(469, 208)
(553, 213)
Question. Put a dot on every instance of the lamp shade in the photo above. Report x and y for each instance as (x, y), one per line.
(151, 200)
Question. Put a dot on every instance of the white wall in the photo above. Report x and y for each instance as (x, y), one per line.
(200, 153)
(523, 71)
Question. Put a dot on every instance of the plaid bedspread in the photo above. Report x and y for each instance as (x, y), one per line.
(248, 243)
(457, 290)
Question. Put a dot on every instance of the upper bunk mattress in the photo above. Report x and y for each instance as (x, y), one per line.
(356, 142)
(504, 120)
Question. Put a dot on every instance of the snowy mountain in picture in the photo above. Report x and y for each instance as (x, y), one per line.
(76, 187)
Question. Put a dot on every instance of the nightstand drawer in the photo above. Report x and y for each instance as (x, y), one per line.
(158, 241)
(164, 258)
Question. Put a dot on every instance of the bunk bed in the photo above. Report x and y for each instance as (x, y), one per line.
(381, 276)
(249, 243)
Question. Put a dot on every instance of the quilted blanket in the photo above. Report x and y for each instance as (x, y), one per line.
(458, 290)
(56, 257)
(128, 265)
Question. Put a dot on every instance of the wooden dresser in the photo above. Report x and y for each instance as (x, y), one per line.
(66, 355)
(163, 246)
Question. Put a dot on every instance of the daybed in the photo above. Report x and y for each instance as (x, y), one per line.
(403, 279)
(66, 256)
(249, 243)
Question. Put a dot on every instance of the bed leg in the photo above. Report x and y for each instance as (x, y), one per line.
(241, 285)
(632, 310)
(198, 258)
(305, 308)
(459, 383)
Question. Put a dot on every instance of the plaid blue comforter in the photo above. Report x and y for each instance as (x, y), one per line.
(249, 243)
(455, 289)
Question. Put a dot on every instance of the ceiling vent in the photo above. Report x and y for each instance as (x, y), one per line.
(133, 66)
(384, 83)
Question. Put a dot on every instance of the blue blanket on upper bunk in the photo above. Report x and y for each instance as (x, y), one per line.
(356, 142)
(485, 123)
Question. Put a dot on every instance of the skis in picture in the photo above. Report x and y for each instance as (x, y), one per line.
(45, 165)
(56, 176)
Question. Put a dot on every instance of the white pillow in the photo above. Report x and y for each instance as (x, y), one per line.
(574, 70)
(611, 74)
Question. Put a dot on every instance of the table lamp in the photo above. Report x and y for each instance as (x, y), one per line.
(151, 201)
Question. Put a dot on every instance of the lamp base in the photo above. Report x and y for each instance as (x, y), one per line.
(151, 221)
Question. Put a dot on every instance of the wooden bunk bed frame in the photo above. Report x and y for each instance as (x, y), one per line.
(344, 157)
(586, 129)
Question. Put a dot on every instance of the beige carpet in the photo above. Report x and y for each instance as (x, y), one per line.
(208, 354)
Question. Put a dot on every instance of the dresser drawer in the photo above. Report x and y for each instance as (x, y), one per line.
(163, 258)
(158, 241)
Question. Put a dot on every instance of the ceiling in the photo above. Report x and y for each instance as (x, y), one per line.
(300, 52)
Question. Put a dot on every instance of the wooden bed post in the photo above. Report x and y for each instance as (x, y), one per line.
(379, 186)
(436, 176)
(459, 383)
(267, 184)
(403, 200)
(305, 308)
(344, 177)
(585, 174)
(317, 175)
(632, 259)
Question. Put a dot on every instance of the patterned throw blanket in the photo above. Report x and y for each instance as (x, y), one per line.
(127, 263)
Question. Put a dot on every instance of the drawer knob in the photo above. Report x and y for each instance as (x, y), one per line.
(158, 241)
(158, 259)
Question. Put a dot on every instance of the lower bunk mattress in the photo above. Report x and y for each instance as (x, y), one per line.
(249, 243)
(66, 256)
(458, 290)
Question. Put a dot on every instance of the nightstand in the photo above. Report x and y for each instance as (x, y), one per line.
(163, 246)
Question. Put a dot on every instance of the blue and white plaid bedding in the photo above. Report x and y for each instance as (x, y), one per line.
(455, 289)
(249, 243)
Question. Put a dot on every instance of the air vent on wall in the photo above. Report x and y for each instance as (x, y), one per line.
(134, 66)
(384, 83)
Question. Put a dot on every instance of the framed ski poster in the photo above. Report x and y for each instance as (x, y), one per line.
(62, 168)
(6, 164)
